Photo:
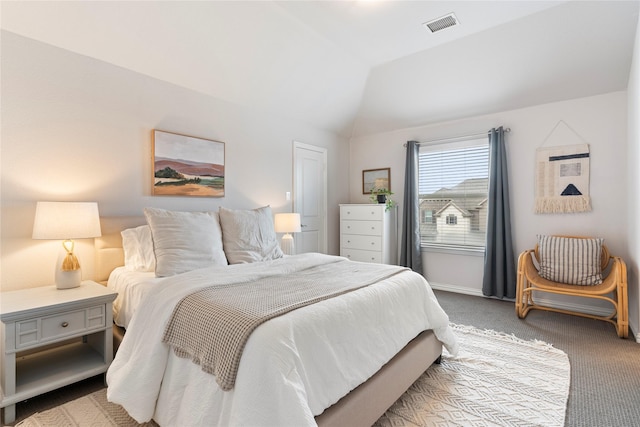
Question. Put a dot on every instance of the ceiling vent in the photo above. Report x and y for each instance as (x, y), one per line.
(441, 23)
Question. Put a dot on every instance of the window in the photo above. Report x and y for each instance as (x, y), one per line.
(453, 185)
(428, 216)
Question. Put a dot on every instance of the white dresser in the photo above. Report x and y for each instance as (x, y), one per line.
(368, 233)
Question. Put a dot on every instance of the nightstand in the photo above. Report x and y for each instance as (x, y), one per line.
(51, 338)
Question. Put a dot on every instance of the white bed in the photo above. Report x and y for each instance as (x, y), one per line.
(316, 364)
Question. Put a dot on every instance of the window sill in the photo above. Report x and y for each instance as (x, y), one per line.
(453, 250)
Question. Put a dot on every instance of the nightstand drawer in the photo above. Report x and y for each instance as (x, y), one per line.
(63, 324)
(58, 326)
(369, 228)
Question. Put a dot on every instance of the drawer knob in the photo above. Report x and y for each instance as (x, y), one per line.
(64, 324)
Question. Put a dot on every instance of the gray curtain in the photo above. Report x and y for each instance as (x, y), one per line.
(410, 250)
(499, 263)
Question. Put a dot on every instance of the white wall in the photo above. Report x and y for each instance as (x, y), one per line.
(599, 121)
(633, 194)
(76, 128)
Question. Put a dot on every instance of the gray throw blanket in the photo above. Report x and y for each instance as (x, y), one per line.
(212, 326)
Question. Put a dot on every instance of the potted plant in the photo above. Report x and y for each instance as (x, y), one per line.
(382, 195)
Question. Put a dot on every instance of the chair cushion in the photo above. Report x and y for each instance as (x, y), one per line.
(574, 261)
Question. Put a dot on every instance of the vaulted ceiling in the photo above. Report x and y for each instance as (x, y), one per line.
(353, 67)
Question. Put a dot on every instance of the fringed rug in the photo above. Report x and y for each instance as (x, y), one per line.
(495, 380)
(92, 410)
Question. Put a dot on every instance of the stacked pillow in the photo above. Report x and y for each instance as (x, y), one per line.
(184, 241)
(249, 235)
(176, 242)
(138, 249)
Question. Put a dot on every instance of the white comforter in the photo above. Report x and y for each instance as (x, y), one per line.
(293, 367)
(131, 287)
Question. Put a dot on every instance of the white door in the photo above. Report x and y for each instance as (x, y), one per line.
(310, 196)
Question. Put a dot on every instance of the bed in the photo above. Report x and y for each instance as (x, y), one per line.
(341, 361)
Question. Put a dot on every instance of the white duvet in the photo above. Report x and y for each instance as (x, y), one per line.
(293, 367)
(131, 287)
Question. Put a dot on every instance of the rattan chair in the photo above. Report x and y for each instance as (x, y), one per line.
(612, 289)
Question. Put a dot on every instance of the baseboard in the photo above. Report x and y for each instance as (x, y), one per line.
(456, 289)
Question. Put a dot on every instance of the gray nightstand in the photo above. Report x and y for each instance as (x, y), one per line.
(78, 321)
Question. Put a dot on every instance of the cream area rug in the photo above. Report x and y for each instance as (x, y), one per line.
(495, 380)
(92, 410)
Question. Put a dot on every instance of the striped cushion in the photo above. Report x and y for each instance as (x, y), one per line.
(569, 260)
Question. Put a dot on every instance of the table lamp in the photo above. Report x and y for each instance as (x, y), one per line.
(65, 221)
(287, 223)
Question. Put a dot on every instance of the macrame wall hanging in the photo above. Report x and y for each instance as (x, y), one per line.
(562, 177)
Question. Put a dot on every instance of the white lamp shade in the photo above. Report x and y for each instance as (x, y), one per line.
(66, 220)
(287, 223)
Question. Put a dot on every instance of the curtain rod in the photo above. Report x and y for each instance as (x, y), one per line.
(453, 138)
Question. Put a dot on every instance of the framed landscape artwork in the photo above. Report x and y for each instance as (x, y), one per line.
(187, 166)
(376, 178)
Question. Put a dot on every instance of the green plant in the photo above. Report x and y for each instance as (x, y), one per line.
(387, 197)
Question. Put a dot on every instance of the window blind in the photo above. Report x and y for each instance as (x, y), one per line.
(453, 188)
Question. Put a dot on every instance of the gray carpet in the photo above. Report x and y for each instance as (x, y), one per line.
(605, 370)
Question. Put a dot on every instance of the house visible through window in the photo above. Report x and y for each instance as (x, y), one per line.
(453, 186)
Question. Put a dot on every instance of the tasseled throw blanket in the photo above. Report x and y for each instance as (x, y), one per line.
(212, 326)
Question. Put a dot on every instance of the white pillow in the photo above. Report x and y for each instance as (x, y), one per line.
(574, 261)
(249, 235)
(184, 241)
(138, 249)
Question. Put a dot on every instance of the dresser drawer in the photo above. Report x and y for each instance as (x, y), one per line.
(368, 243)
(362, 212)
(369, 228)
(58, 326)
(361, 255)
